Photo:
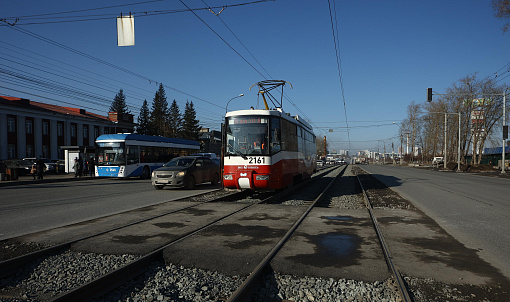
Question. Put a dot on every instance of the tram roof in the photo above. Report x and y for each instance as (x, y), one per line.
(145, 138)
(273, 112)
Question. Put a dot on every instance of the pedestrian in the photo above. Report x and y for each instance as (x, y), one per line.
(76, 167)
(92, 166)
(85, 167)
(80, 166)
(40, 167)
(33, 171)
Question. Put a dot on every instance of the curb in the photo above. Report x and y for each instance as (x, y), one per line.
(11, 183)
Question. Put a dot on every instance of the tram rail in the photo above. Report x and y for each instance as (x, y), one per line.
(115, 278)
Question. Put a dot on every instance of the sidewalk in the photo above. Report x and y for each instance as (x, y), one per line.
(48, 178)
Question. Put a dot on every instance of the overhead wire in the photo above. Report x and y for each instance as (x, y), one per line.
(47, 40)
(88, 78)
(108, 16)
(145, 78)
(334, 23)
(95, 74)
(258, 62)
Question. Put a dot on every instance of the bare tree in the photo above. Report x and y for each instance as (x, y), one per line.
(502, 11)
(479, 109)
(412, 126)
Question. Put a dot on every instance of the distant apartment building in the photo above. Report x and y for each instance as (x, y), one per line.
(32, 129)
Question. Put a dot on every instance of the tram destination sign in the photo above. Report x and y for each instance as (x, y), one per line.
(249, 120)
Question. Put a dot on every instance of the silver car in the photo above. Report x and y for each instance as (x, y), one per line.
(185, 172)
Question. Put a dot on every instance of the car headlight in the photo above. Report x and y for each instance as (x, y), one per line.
(228, 177)
(153, 174)
(181, 174)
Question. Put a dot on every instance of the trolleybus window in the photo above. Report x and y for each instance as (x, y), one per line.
(247, 136)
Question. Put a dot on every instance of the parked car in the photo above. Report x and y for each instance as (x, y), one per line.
(437, 160)
(186, 171)
(23, 167)
(50, 165)
(320, 163)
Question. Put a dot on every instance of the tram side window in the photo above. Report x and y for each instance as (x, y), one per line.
(132, 155)
(289, 136)
(275, 135)
(300, 139)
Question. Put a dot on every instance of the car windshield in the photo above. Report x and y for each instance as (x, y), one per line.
(180, 162)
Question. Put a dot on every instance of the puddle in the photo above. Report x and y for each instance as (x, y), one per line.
(337, 245)
(331, 250)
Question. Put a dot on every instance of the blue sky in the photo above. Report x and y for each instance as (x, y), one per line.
(390, 52)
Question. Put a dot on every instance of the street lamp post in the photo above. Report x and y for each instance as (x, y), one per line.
(223, 138)
(226, 107)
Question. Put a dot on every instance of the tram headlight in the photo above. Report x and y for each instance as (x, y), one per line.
(261, 177)
(228, 177)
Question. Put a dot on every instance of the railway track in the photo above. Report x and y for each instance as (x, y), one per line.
(135, 266)
(246, 291)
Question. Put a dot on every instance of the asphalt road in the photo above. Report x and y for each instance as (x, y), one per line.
(474, 209)
(30, 208)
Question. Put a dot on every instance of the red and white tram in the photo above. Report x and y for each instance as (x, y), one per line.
(267, 149)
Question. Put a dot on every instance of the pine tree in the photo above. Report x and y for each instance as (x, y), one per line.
(175, 121)
(144, 120)
(191, 125)
(159, 114)
(119, 103)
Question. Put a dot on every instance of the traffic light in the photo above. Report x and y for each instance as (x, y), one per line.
(429, 94)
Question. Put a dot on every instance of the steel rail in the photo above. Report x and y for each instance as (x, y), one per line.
(114, 279)
(404, 294)
(246, 289)
(10, 266)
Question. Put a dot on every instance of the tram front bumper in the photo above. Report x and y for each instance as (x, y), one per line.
(246, 180)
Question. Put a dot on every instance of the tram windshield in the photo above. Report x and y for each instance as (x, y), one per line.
(247, 135)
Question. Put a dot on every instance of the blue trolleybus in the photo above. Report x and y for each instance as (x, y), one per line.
(127, 155)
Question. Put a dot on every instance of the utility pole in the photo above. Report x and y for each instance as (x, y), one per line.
(504, 138)
(444, 155)
(401, 139)
(325, 151)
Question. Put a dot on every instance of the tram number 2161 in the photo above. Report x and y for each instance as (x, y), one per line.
(256, 160)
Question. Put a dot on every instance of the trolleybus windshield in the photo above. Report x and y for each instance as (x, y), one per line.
(111, 154)
(247, 135)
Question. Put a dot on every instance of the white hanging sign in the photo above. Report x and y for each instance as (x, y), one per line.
(126, 30)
